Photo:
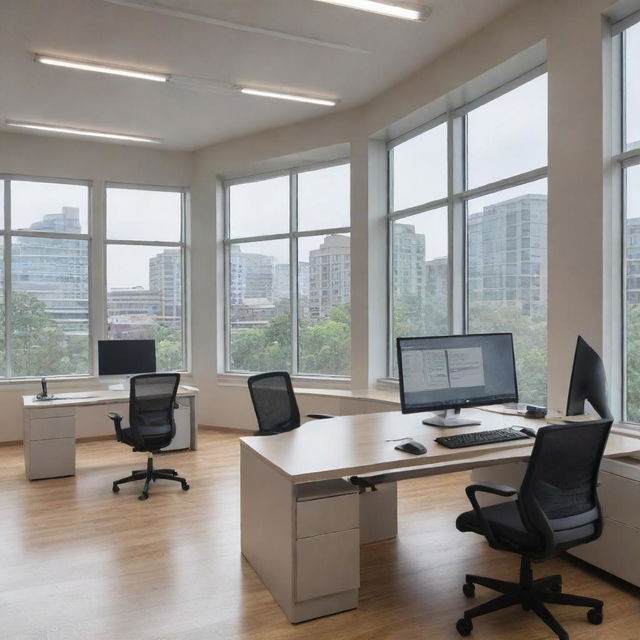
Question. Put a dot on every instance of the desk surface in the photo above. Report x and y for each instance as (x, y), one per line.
(354, 445)
(89, 397)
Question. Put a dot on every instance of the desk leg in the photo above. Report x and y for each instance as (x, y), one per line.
(268, 542)
(379, 513)
(194, 425)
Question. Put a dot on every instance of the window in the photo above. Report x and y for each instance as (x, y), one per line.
(500, 161)
(145, 269)
(44, 312)
(629, 42)
(288, 272)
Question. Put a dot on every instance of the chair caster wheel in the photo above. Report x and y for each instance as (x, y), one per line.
(115, 488)
(185, 487)
(469, 589)
(464, 627)
(594, 616)
(144, 496)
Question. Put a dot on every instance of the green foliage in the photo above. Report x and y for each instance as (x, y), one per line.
(633, 362)
(38, 346)
(325, 347)
(530, 345)
(168, 349)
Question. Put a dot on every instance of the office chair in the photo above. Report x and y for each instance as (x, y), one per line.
(151, 426)
(275, 403)
(588, 382)
(556, 508)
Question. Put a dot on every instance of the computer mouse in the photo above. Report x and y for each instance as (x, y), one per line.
(411, 446)
(528, 431)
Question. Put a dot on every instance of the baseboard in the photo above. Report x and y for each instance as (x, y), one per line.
(244, 432)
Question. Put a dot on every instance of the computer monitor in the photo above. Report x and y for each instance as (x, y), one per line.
(451, 372)
(588, 382)
(126, 358)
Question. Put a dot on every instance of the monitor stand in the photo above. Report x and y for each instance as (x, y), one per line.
(451, 418)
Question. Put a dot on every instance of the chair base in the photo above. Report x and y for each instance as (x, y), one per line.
(531, 595)
(150, 475)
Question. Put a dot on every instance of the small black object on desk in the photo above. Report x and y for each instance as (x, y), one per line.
(528, 431)
(411, 446)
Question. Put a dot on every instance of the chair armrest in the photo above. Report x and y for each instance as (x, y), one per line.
(319, 416)
(117, 423)
(495, 489)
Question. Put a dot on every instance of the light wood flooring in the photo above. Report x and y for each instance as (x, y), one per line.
(78, 562)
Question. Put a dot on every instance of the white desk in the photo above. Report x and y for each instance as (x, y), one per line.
(50, 432)
(301, 525)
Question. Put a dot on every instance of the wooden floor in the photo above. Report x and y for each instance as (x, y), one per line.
(78, 562)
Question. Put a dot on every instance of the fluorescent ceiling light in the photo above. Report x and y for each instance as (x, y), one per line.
(98, 67)
(383, 8)
(81, 132)
(288, 96)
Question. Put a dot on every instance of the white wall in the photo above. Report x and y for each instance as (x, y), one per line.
(571, 31)
(42, 156)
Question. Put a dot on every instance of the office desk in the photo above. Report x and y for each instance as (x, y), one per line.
(302, 524)
(50, 432)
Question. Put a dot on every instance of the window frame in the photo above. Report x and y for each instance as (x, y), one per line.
(7, 234)
(182, 245)
(291, 236)
(622, 160)
(456, 201)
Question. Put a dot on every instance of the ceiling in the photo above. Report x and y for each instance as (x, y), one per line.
(297, 45)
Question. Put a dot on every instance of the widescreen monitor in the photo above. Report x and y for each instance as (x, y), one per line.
(126, 357)
(452, 372)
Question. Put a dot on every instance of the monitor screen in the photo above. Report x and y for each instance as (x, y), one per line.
(126, 357)
(449, 372)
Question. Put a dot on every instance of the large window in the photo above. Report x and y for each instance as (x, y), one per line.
(629, 146)
(497, 204)
(145, 269)
(288, 272)
(44, 278)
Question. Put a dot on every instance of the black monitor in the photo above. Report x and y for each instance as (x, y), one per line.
(126, 357)
(450, 372)
(588, 382)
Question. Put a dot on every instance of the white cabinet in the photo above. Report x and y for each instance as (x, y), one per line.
(618, 548)
(49, 443)
(182, 417)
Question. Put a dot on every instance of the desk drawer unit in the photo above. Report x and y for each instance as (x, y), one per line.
(49, 443)
(327, 545)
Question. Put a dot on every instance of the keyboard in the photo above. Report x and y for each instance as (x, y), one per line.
(460, 440)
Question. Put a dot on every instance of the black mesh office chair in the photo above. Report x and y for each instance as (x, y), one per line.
(588, 382)
(151, 425)
(556, 508)
(275, 403)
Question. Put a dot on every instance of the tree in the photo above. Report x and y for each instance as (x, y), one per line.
(38, 346)
(633, 362)
(168, 349)
(529, 342)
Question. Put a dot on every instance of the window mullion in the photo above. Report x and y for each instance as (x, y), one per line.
(7, 278)
(293, 270)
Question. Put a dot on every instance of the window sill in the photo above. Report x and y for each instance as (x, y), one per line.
(301, 382)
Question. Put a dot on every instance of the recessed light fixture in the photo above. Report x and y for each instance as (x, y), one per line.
(384, 8)
(81, 132)
(99, 67)
(295, 97)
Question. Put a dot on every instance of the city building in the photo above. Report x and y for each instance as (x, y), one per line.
(329, 276)
(165, 278)
(54, 270)
(507, 255)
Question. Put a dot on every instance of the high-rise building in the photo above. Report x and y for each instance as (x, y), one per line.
(165, 279)
(408, 261)
(507, 254)
(55, 270)
(329, 276)
(633, 260)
